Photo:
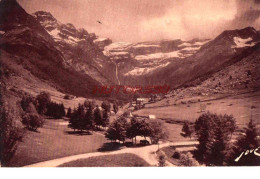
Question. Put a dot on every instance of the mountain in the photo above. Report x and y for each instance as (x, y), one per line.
(177, 62)
(239, 75)
(213, 56)
(135, 60)
(42, 52)
(208, 59)
(77, 46)
(32, 53)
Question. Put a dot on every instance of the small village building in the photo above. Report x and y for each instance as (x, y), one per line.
(151, 116)
(140, 101)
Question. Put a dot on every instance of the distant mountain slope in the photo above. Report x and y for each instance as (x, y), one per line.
(239, 76)
(25, 39)
(212, 57)
(177, 62)
(137, 59)
(78, 49)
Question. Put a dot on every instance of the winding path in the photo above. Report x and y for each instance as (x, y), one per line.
(147, 153)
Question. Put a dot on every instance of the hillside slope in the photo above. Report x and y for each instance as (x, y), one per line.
(24, 42)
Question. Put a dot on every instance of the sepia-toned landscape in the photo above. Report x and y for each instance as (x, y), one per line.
(143, 84)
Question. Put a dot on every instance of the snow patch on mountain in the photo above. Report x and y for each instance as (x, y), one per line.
(117, 46)
(185, 44)
(191, 48)
(137, 71)
(161, 56)
(55, 34)
(144, 45)
(240, 43)
(100, 40)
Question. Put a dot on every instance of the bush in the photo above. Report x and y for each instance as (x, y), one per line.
(32, 121)
(26, 101)
(187, 161)
(176, 155)
(66, 96)
(10, 135)
(162, 161)
(187, 129)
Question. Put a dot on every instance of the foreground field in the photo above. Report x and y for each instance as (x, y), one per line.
(53, 141)
(119, 160)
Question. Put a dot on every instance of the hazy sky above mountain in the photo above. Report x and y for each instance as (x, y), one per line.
(145, 20)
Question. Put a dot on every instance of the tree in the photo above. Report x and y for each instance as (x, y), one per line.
(55, 110)
(32, 121)
(111, 133)
(43, 99)
(133, 129)
(217, 148)
(214, 135)
(73, 120)
(26, 101)
(98, 119)
(10, 134)
(31, 108)
(157, 131)
(115, 107)
(203, 126)
(62, 110)
(80, 121)
(117, 130)
(106, 106)
(69, 112)
(144, 129)
(186, 130)
(242, 151)
(89, 118)
(105, 121)
(162, 161)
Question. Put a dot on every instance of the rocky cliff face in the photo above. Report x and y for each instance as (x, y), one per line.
(78, 48)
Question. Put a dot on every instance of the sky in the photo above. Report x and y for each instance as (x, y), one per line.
(147, 20)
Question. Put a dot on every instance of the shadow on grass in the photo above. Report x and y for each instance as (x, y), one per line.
(78, 133)
(113, 146)
(110, 146)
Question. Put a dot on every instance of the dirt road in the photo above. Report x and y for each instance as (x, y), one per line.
(147, 153)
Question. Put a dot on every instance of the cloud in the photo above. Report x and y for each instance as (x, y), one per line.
(145, 20)
(202, 19)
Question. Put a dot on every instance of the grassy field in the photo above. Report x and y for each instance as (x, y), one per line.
(241, 107)
(53, 141)
(119, 160)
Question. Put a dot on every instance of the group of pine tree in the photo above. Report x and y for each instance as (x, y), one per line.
(89, 116)
(217, 144)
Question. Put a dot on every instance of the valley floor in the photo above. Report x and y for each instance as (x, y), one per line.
(54, 140)
(242, 107)
(56, 144)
